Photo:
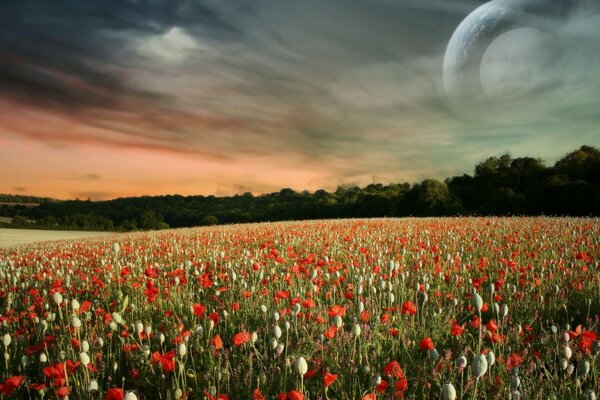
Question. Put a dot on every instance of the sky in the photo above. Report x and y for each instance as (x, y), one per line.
(104, 99)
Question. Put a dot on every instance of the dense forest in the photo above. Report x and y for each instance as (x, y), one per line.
(498, 186)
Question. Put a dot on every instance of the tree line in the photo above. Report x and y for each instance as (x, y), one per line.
(499, 186)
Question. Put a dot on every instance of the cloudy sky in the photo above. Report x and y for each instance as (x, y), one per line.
(104, 99)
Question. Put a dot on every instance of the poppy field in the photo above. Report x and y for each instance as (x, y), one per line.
(447, 308)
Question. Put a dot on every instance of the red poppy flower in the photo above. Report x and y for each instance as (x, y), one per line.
(115, 394)
(241, 338)
(328, 378)
(393, 369)
(456, 330)
(198, 309)
(257, 395)
(426, 344)
(514, 360)
(295, 395)
(409, 308)
(369, 396)
(382, 387)
(331, 332)
(63, 391)
(585, 341)
(167, 360)
(217, 342)
(10, 384)
(336, 310)
(401, 384)
(491, 326)
(309, 303)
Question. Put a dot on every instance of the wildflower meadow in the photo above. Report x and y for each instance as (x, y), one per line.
(448, 308)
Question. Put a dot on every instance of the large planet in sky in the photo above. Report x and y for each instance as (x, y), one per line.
(471, 39)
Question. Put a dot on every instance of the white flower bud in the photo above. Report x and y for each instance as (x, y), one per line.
(563, 363)
(567, 352)
(273, 343)
(583, 368)
(58, 299)
(515, 381)
(117, 318)
(300, 366)
(84, 359)
(132, 396)
(277, 331)
(376, 380)
(491, 358)
(93, 386)
(477, 301)
(337, 321)
(181, 349)
(479, 366)
(356, 330)
(76, 323)
(6, 340)
(279, 349)
(433, 355)
(448, 392)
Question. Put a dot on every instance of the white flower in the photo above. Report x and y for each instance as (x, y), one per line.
(84, 358)
(448, 392)
(356, 330)
(338, 321)
(491, 358)
(567, 353)
(181, 349)
(477, 301)
(277, 331)
(117, 318)
(93, 386)
(6, 340)
(300, 366)
(273, 343)
(461, 362)
(479, 366)
(58, 299)
(76, 323)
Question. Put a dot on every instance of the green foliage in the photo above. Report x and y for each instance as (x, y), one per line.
(499, 186)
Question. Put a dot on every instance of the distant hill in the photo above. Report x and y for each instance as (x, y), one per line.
(21, 199)
(499, 186)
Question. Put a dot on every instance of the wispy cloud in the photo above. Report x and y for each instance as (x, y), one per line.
(338, 91)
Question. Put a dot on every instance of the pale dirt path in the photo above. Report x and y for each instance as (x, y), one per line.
(13, 237)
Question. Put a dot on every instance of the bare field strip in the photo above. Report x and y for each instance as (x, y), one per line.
(14, 237)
